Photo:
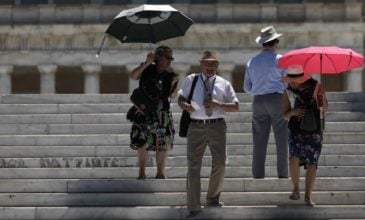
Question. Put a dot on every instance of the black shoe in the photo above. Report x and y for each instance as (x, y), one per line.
(160, 177)
(192, 214)
(283, 177)
(214, 204)
(259, 177)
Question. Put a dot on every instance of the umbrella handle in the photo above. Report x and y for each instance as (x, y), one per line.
(101, 47)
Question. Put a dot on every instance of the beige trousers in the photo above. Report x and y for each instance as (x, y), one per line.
(200, 136)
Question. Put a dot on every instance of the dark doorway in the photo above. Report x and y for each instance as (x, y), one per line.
(25, 80)
(114, 79)
(69, 79)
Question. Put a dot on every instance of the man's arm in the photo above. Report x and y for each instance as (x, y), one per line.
(183, 103)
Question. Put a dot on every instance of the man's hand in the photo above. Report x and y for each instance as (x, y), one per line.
(212, 103)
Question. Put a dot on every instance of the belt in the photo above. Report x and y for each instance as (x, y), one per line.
(206, 121)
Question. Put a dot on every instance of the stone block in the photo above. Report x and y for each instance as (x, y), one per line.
(109, 12)
(269, 13)
(291, 13)
(224, 13)
(333, 13)
(47, 14)
(313, 12)
(91, 14)
(246, 13)
(25, 15)
(203, 13)
(69, 14)
(5, 15)
(353, 12)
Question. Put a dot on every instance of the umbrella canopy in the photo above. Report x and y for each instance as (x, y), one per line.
(149, 24)
(323, 60)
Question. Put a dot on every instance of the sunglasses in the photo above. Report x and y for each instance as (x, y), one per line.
(169, 58)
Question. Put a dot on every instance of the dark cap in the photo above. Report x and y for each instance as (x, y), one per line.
(163, 50)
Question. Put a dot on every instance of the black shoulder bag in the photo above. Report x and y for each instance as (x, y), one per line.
(185, 116)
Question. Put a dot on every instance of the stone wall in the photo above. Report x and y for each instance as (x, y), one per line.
(52, 35)
(201, 13)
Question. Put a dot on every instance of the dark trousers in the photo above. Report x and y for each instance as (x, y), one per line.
(267, 113)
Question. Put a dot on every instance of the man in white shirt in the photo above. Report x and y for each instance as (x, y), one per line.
(212, 97)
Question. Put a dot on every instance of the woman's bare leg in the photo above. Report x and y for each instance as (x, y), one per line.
(142, 160)
(309, 183)
(295, 174)
(161, 160)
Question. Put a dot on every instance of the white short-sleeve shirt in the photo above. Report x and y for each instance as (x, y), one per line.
(222, 92)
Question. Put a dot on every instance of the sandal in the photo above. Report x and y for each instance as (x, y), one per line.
(308, 202)
(295, 195)
(141, 177)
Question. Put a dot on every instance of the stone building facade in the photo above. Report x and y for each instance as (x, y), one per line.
(49, 46)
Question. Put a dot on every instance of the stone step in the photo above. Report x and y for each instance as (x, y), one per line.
(124, 139)
(125, 98)
(27, 151)
(171, 172)
(124, 107)
(171, 185)
(174, 199)
(176, 161)
(320, 212)
(108, 118)
(32, 129)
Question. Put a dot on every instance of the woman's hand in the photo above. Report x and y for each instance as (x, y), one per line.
(150, 58)
(298, 112)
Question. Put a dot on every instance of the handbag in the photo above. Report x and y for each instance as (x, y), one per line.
(185, 116)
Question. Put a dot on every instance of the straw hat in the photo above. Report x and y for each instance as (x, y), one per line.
(295, 74)
(209, 56)
(267, 34)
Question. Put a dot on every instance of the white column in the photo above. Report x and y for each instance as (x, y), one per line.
(354, 81)
(226, 70)
(132, 83)
(183, 70)
(5, 79)
(48, 78)
(92, 72)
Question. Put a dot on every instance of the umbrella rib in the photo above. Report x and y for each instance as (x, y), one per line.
(334, 66)
(305, 63)
(350, 59)
(177, 26)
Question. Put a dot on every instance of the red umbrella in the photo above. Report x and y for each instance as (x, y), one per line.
(325, 60)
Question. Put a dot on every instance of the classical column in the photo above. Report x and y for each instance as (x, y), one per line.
(182, 70)
(226, 70)
(354, 81)
(92, 72)
(5, 79)
(132, 83)
(48, 79)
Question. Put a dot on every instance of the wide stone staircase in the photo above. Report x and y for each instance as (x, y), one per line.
(68, 157)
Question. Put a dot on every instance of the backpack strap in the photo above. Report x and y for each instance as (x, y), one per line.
(315, 93)
(193, 87)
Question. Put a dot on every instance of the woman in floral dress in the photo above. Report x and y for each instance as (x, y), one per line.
(152, 127)
(304, 103)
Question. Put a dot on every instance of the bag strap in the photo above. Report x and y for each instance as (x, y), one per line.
(315, 93)
(193, 87)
